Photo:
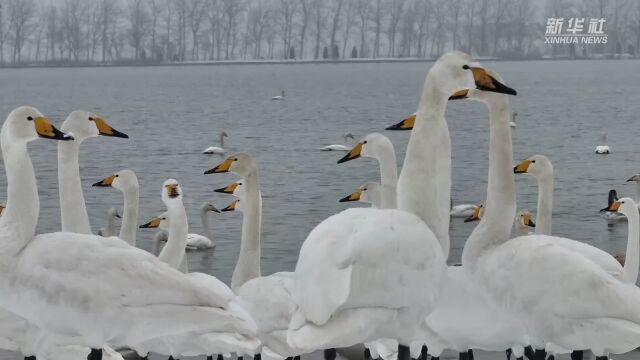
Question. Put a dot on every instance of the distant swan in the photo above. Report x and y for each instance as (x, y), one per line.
(512, 123)
(369, 193)
(110, 229)
(279, 97)
(216, 149)
(611, 216)
(603, 148)
(634, 178)
(462, 210)
(406, 124)
(338, 147)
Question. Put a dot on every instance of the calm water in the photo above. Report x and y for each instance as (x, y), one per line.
(172, 113)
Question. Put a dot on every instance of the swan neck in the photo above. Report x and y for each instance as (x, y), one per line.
(129, 226)
(632, 261)
(111, 225)
(205, 223)
(637, 192)
(388, 178)
(495, 226)
(248, 265)
(424, 186)
(174, 251)
(23, 204)
(73, 211)
(222, 141)
(545, 205)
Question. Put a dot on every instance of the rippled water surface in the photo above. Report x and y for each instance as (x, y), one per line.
(172, 113)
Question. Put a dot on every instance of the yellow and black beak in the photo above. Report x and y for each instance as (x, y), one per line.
(612, 199)
(406, 124)
(229, 189)
(105, 129)
(614, 207)
(46, 130)
(154, 223)
(232, 206)
(2, 207)
(527, 221)
(172, 190)
(462, 94)
(106, 182)
(522, 168)
(223, 167)
(353, 154)
(475, 216)
(486, 82)
(355, 196)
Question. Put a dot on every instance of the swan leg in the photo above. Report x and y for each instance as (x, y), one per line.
(297, 357)
(540, 354)
(257, 356)
(220, 357)
(508, 352)
(95, 354)
(577, 355)
(529, 353)
(30, 357)
(470, 354)
(367, 354)
(551, 357)
(602, 357)
(403, 352)
(424, 352)
(330, 354)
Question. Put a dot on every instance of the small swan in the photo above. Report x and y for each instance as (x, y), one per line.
(512, 123)
(216, 149)
(604, 148)
(369, 193)
(406, 123)
(462, 210)
(279, 97)
(634, 178)
(612, 216)
(338, 147)
(127, 182)
(110, 229)
(523, 224)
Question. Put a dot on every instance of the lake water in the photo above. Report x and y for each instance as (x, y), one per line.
(172, 113)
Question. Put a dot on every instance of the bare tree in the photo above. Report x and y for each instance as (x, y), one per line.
(319, 20)
(196, 14)
(364, 11)
(156, 10)
(378, 27)
(306, 7)
(336, 10)
(287, 11)
(348, 23)
(395, 13)
(20, 15)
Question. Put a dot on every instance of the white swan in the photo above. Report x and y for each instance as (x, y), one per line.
(194, 241)
(405, 124)
(462, 210)
(370, 193)
(605, 322)
(216, 149)
(612, 216)
(110, 229)
(629, 208)
(634, 178)
(379, 147)
(82, 125)
(523, 224)
(267, 298)
(127, 182)
(540, 167)
(173, 254)
(339, 147)
(513, 120)
(279, 97)
(477, 214)
(64, 292)
(604, 148)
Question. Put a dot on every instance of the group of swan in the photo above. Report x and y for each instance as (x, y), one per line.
(376, 276)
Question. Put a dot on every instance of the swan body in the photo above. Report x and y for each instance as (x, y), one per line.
(512, 123)
(462, 210)
(267, 298)
(369, 193)
(217, 149)
(64, 293)
(339, 147)
(603, 149)
(279, 97)
(83, 125)
(110, 230)
(379, 147)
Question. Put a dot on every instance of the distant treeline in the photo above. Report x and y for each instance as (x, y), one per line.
(138, 31)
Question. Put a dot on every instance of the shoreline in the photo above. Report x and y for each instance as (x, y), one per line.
(280, 62)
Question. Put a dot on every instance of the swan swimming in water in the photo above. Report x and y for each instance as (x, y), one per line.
(110, 229)
(612, 216)
(339, 147)
(513, 120)
(63, 292)
(369, 193)
(127, 182)
(603, 148)
(279, 97)
(216, 149)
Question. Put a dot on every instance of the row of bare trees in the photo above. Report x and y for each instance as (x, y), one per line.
(107, 31)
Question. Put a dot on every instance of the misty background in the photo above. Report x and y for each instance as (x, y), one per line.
(161, 31)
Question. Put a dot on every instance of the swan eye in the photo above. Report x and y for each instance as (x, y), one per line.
(365, 189)
(465, 67)
(533, 161)
(235, 159)
(117, 175)
(364, 142)
(91, 118)
(30, 118)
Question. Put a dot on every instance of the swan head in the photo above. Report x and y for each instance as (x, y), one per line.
(538, 166)
(524, 219)
(367, 193)
(406, 123)
(372, 145)
(208, 206)
(159, 222)
(26, 124)
(477, 214)
(123, 180)
(113, 213)
(83, 124)
(634, 178)
(348, 135)
(224, 134)
(235, 188)
(171, 192)
(2, 207)
(482, 94)
(241, 163)
(624, 206)
(236, 205)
